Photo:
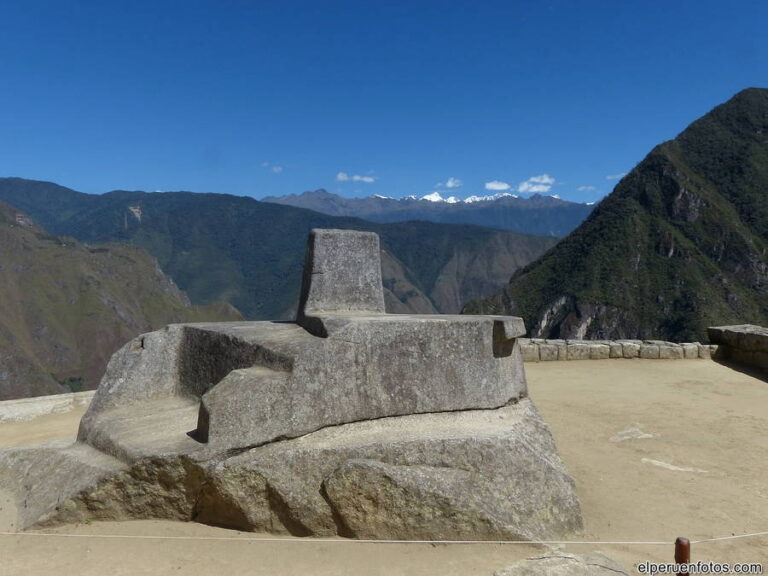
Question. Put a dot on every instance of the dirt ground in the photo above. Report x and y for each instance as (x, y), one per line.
(659, 449)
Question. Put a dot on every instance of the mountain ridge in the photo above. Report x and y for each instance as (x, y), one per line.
(542, 215)
(680, 244)
(219, 247)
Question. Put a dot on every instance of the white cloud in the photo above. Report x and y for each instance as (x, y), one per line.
(586, 188)
(541, 179)
(615, 176)
(344, 177)
(453, 182)
(274, 168)
(534, 184)
(497, 185)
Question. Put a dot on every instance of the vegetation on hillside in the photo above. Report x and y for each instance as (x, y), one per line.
(679, 245)
(219, 247)
(66, 306)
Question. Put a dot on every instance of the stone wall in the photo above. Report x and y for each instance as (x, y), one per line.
(25, 409)
(743, 344)
(539, 349)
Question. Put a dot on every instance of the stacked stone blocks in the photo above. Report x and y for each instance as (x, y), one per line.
(745, 344)
(546, 350)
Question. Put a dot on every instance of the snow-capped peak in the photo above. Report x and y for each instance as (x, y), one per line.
(382, 197)
(435, 197)
(472, 199)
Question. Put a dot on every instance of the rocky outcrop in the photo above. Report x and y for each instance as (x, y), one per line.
(456, 475)
(50, 476)
(349, 422)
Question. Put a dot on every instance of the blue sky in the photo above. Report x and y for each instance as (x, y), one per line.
(259, 98)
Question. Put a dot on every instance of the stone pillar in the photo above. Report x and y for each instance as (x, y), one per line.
(342, 275)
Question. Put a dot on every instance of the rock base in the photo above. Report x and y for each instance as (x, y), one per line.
(478, 475)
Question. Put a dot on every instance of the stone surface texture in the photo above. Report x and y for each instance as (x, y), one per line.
(565, 564)
(477, 474)
(348, 422)
(49, 475)
(342, 274)
(744, 344)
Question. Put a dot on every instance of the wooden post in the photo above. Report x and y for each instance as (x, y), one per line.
(682, 553)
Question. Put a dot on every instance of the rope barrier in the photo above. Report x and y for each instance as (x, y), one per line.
(318, 540)
(370, 541)
(729, 537)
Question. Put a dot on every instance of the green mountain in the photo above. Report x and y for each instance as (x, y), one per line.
(66, 307)
(219, 247)
(680, 244)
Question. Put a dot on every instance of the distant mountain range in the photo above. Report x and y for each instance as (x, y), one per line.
(234, 249)
(537, 214)
(66, 307)
(681, 243)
